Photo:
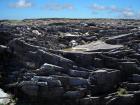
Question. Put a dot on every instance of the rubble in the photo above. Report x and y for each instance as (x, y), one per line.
(81, 62)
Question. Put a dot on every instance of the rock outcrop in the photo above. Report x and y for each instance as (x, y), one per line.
(83, 64)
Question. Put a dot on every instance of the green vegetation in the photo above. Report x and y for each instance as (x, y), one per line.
(121, 91)
(1, 104)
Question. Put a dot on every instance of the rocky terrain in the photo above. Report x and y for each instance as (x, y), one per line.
(70, 61)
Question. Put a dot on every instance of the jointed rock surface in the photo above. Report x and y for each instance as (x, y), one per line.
(71, 63)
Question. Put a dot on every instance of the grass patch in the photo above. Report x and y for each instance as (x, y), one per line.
(121, 92)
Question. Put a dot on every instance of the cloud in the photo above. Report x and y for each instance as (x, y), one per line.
(96, 7)
(121, 12)
(58, 6)
(21, 4)
(128, 13)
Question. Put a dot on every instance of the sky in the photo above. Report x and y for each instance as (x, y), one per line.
(25, 9)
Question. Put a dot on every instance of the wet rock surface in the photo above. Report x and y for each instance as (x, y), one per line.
(71, 63)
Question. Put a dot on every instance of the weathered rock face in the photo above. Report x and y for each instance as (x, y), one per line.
(74, 64)
(5, 37)
(96, 46)
(76, 73)
(119, 38)
(37, 55)
(50, 90)
(104, 80)
(136, 78)
(49, 69)
(132, 86)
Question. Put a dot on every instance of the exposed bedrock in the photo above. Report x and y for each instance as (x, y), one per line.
(94, 63)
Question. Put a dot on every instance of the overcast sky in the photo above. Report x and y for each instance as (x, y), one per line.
(21, 9)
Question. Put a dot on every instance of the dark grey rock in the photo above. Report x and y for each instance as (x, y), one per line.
(122, 100)
(3, 48)
(119, 38)
(90, 101)
(30, 88)
(72, 81)
(104, 80)
(132, 86)
(49, 69)
(51, 81)
(74, 94)
(136, 77)
(76, 73)
(38, 56)
(40, 89)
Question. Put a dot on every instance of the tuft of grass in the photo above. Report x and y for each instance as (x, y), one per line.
(121, 92)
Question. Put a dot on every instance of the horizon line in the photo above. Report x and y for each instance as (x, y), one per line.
(70, 18)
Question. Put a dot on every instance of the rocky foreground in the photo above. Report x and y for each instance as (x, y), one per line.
(71, 62)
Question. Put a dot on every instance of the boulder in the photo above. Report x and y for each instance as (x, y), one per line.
(101, 76)
(104, 80)
(40, 89)
(128, 68)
